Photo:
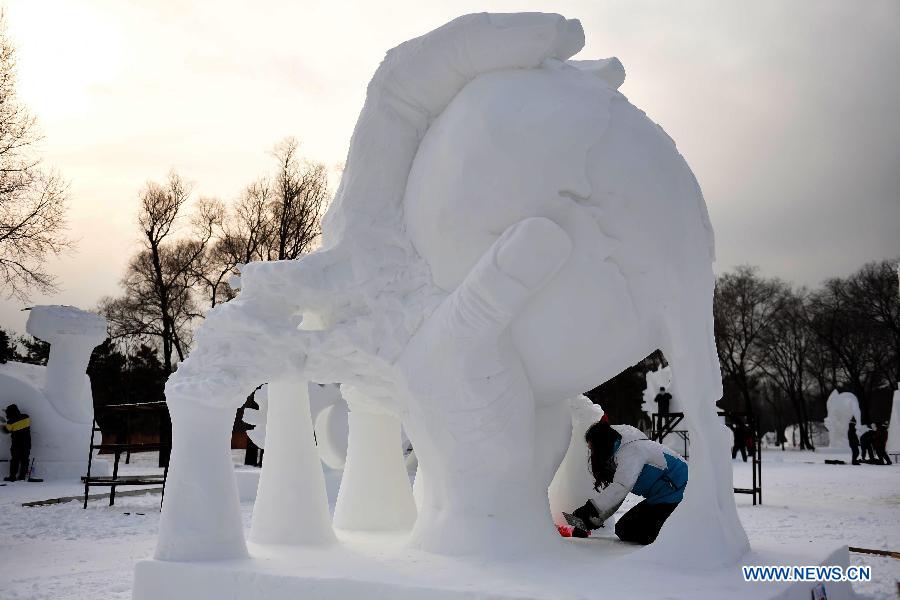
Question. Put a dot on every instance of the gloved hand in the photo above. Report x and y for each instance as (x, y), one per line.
(589, 514)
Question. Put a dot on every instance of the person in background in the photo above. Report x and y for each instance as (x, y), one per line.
(18, 426)
(853, 439)
(866, 439)
(623, 460)
(879, 442)
(662, 399)
(739, 433)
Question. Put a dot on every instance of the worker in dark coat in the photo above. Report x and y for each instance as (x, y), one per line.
(18, 426)
(739, 433)
(853, 439)
(879, 442)
(662, 399)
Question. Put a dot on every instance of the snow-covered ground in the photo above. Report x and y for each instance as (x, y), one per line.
(64, 552)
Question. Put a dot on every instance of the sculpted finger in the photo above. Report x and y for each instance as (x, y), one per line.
(518, 264)
(427, 72)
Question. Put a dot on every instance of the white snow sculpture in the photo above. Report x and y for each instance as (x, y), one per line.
(893, 444)
(841, 407)
(500, 212)
(593, 197)
(573, 484)
(662, 377)
(58, 397)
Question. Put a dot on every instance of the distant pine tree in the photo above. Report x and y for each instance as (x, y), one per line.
(7, 347)
(36, 351)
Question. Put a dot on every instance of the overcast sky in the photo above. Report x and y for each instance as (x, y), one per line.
(788, 112)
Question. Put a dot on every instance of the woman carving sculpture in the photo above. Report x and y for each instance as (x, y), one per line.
(496, 246)
(624, 461)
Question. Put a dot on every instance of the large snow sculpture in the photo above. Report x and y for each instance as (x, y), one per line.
(497, 245)
(544, 202)
(58, 397)
(841, 407)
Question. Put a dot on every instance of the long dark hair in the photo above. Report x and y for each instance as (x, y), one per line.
(601, 439)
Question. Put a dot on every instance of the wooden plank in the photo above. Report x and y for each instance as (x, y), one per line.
(51, 501)
(872, 551)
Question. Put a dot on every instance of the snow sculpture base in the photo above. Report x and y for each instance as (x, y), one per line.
(378, 565)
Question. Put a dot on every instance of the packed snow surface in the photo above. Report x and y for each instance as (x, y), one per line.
(62, 552)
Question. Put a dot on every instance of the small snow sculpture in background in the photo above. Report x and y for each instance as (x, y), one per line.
(58, 397)
(893, 443)
(660, 378)
(841, 407)
(72, 334)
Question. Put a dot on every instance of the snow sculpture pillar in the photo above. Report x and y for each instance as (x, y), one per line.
(201, 516)
(72, 335)
(375, 493)
(291, 504)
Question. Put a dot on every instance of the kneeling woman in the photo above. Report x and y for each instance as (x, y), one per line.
(623, 460)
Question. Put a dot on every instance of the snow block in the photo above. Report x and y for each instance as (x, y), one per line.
(380, 566)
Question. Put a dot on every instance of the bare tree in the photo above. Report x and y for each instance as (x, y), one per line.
(853, 324)
(299, 192)
(213, 266)
(159, 283)
(782, 357)
(873, 290)
(745, 307)
(275, 218)
(32, 198)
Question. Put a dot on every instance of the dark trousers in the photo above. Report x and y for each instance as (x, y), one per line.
(855, 451)
(18, 461)
(742, 448)
(642, 523)
(883, 456)
(868, 452)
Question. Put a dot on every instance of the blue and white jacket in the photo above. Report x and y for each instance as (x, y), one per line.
(645, 468)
